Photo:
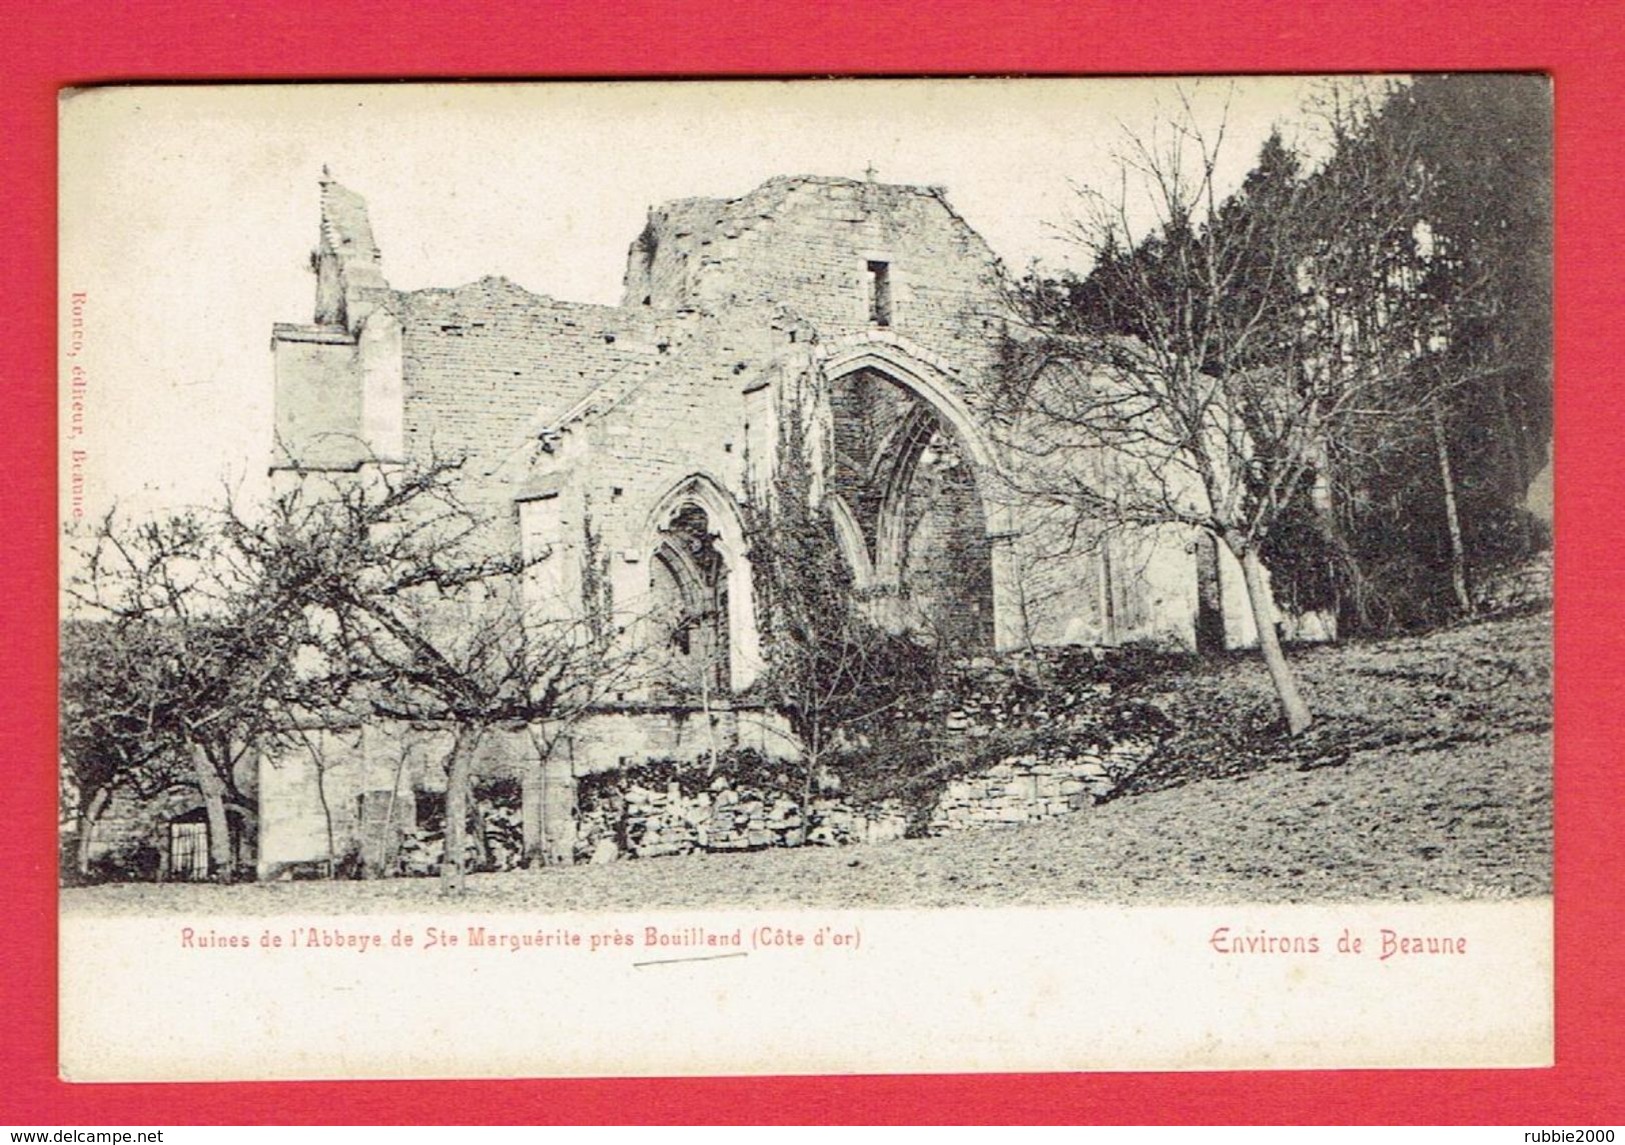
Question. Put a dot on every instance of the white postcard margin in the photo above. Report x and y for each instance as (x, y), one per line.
(468, 995)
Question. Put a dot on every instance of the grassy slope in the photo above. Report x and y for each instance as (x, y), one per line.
(1428, 775)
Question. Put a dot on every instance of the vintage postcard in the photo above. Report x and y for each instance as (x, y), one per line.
(805, 577)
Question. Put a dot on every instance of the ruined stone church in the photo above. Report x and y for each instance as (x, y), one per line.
(869, 312)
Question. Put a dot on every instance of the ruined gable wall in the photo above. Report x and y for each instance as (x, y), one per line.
(737, 291)
(487, 365)
(804, 244)
(770, 276)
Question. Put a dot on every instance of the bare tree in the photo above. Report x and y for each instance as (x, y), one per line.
(203, 656)
(1200, 374)
(417, 612)
(112, 733)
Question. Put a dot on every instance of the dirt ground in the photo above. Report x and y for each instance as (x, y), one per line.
(1428, 776)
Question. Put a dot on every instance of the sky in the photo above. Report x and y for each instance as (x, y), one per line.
(188, 214)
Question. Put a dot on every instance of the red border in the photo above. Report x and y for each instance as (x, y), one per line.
(49, 45)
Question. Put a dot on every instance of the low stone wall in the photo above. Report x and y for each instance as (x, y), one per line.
(1027, 788)
(647, 822)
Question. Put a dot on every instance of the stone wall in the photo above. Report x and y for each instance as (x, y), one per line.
(636, 815)
(323, 800)
(1019, 739)
(640, 818)
(1029, 788)
(646, 822)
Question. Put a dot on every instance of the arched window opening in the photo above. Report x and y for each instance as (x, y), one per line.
(689, 588)
(908, 485)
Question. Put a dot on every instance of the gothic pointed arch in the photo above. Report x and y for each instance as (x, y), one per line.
(699, 561)
(917, 474)
(920, 372)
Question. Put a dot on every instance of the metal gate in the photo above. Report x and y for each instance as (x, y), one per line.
(189, 851)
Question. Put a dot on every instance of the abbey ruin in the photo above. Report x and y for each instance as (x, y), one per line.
(631, 442)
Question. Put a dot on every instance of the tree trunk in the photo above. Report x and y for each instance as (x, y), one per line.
(482, 836)
(458, 768)
(1296, 711)
(327, 815)
(390, 867)
(88, 816)
(811, 771)
(1447, 478)
(213, 790)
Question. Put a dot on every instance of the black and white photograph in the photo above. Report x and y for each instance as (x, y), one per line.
(806, 576)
